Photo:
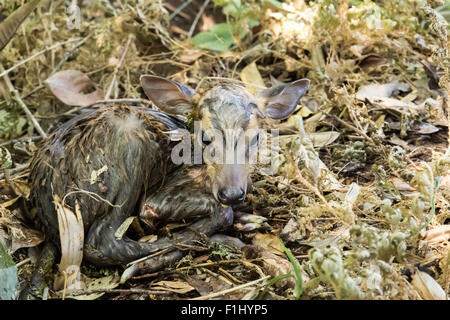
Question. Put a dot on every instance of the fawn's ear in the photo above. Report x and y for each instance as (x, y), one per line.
(279, 102)
(168, 95)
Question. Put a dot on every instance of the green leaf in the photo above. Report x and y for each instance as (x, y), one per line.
(9, 26)
(298, 273)
(252, 23)
(218, 38)
(233, 10)
(273, 281)
(9, 280)
(275, 3)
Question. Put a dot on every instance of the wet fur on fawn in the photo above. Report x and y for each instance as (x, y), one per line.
(132, 148)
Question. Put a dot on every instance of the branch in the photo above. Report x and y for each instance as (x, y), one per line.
(108, 93)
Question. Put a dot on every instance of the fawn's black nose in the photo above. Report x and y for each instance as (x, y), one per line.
(231, 195)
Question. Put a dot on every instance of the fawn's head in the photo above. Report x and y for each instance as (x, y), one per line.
(229, 117)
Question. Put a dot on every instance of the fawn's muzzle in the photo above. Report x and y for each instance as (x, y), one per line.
(230, 196)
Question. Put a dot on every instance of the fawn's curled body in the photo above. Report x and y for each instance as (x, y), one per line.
(130, 150)
(115, 162)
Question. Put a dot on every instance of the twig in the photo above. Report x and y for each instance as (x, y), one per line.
(179, 9)
(93, 195)
(178, 30)
(21, 263)
(239, 287)
(23, 139)
(129, 291)
(218, 276)
(147, 257)
(197, 17)
(5, 72)
(18, 168)
(149, 275)
(205, 264)
(365, 136)
(111, 86)
(66, 57)
(229, 275)
(29, 114)
(69, 54)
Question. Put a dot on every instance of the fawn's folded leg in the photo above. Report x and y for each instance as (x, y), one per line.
(199, 229)
(103, 248)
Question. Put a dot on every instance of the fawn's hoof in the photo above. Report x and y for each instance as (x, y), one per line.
(249, 222)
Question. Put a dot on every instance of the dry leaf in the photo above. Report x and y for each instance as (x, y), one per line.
(327, 240)
(189, 56)
(207, 22)
(69, 87)
(399, 142)
(322, 139)
(9, 203)
(273, 265)
(425, 128)
(373, 91)
(274, 82)
(352, 194)
(207, 285)
(291, 63)
(372, 61)
(402, 185)
(150, 238)
(433, 76)
(21, 188)
(180, 287)
(357, 50)
(27, 239)
(397, 105)
(291, 231)
(427, 287)
(203, 288)
(270, 242)
(71, 233)
(250, 75)
(9, 26)
(312, 122)
(438, 234)
(304, 112)
(122, 229)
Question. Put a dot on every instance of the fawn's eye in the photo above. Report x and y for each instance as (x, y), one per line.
(206, 140)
